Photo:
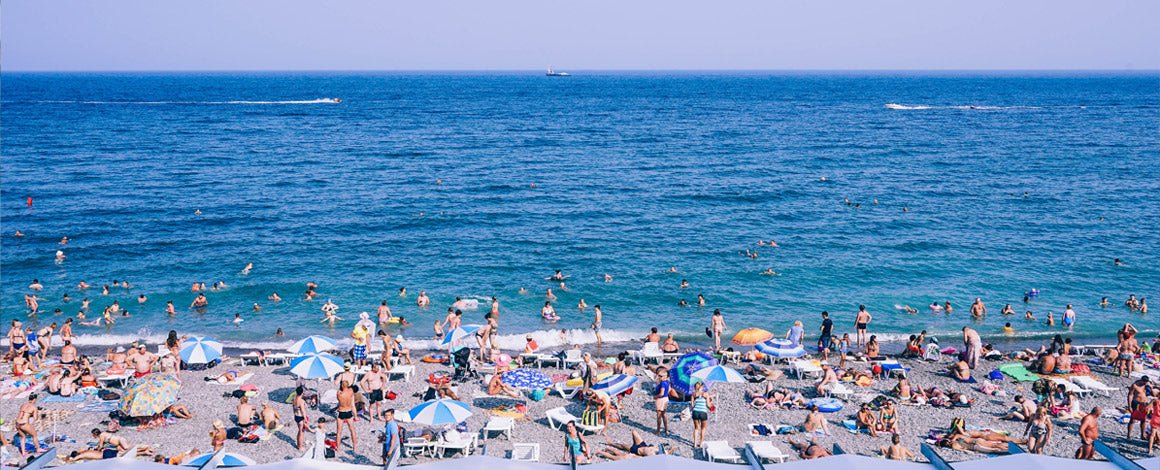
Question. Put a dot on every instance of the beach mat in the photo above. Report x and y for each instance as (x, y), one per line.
(99, 407)
(1018, 372)
(60, 399)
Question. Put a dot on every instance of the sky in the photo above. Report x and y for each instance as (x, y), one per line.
(139, 35)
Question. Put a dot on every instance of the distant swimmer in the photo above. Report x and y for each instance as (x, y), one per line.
(238, 319)
(423, 301)
(274, 297)
(548, 313)
(59, 256)
(823, 179)
(769, 272)
(36, 285)
(1008, 329)
(1117, 262)
(18, 234)
(197, 212)
(329, 317)
(246, 270)
(582, 305)
(683, 303)
(1007, 310)
(256, 308)
(876, 202)
(330, 309)
(83, 285)
(438, 181)
(64, 240)
(684, 284)
(1104, 302)
(200, 302)
(169, 310)
(557, 277)
(935, 307)
(1050, 318)
(1028, 315)
(550, 296)
(672, 269)
(141, 299)
(905, 209)
(773, 244)
(607, 277)
(402, 292)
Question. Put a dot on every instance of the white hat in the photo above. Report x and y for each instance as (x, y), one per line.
(120, 349)
(364, 315)
(399, 338)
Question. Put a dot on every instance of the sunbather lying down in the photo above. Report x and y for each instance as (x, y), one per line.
(638, 448)
(226, 377)
(772, 397)
(808, 449)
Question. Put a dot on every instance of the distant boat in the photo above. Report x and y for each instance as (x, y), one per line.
(554, 73)
(332, 100)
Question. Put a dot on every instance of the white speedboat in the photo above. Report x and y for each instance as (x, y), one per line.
(553, 73)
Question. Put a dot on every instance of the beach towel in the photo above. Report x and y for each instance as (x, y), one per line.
(970, 380)
(760, 430)
(1018, 372)
(238, 381)
(60, 399)
(99, 407)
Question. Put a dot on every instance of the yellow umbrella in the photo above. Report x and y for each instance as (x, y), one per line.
(751, 336)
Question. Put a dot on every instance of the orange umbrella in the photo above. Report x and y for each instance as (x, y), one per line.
(751, 336)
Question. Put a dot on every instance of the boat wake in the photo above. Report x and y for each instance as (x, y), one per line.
(903, 107)
(247, 102)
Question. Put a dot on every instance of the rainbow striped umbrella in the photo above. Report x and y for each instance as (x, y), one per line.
(682, 371)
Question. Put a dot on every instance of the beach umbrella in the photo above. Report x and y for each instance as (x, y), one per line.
(719, 373)
(149, 395)
(316, 366)
(781, 349)
(614, 385)
(200, 350)
(440, 412)
(681, 375)
(751, 336)
(460, 333)
(228, 459)
(526, 379)
(313, 344)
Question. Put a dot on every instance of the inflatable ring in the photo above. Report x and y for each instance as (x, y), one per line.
(393, 321)
(434, 358)
(827, 405)
(577, 382)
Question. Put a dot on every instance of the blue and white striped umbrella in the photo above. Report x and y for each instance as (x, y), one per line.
(526, 379)
(227, 460)
(316, 366)
(719, 373)
(614, 385)
(440, 412)
(464, 331)
(780, 348)
(313, 344)
(200, 350)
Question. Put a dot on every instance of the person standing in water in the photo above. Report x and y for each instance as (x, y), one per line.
(718, 328)
(978, 309)
(597, 322)
(861, 321)
(1069, 317)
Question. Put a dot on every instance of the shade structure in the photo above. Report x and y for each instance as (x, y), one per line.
(616, 384)
(149, 395)
(1027, 461)
(313, 344)
(440, 412)
(719, 373)
(854, 462)
(681, 375)
(751, 336)
(458, 334)
(316, 366)
(526, 379)
(200, 350)
(228, 459)
(781, 348)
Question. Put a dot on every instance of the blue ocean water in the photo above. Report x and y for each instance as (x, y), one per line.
(619, 173)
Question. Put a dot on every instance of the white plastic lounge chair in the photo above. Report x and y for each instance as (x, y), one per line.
(417, 446)
(720, 451)
(1093, 385)
(573, 357)
(566, 391)
(805, 369)
(403, 370)
(499, 424)
(252, 358)
(651, 351)
(526, 452)
(558, 417)
(453, 440)
(840, 390)
(765, 450)
(1070, 387)
(932, 353)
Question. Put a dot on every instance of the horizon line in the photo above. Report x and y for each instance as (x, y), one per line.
(597, 70)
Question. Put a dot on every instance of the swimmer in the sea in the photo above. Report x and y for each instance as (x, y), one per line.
(141, 299)
(197, 212)
(18, 234)
(558, 276)
(607, 277)
(683, 303)
(1050, 319)
(169, 310)
(1104, 302)
(402, 292)
(523, 291)
(684, 284)
(769, 272)
(59, 256)
(83, 285)
(1028, 315)
(582, 305)
(246, 270)
(1117, 262)
(257, 308)
(274, 297)
(672, 269)
(238, 319)
(64, 240)
(550, 296)
(423, 301)
(36, 285)
(279, 333)
(701, 299)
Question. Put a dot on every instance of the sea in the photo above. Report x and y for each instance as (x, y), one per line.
(884, 189)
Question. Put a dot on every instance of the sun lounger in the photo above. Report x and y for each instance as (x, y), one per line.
(499, 424)
(526, 452)
(565, 391)
(253, 359)
(1093, 385)
(572, 357)
(1070, 387)
(893, 368)
(804, 369)
(838, 389)
(651, 351)
(280, 358)
(720, 451)
(453, 440)
(558, 417)
(766, 451)
(1018, 372)
(404, 370)
(418, 446)
(122, 378)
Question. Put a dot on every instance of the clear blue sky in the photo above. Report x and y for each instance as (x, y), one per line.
(575, 35)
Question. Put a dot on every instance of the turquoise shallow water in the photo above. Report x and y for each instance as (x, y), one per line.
(626, 173)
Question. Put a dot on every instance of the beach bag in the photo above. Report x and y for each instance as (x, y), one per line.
(234, 433)
(708, 332)
(391, 395)
(108, 395)
(995, 375)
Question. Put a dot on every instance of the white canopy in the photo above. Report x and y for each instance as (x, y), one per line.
(1033, 462)
(853, 462)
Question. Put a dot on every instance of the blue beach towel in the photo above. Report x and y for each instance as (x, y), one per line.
(60, 399)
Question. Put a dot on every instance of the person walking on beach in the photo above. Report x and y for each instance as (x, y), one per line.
(661, 398)
(345, 415)
(392, 438)
(718, 328)
(973, 345)
(26, 424)
(1089, 431)
(1038, 431)
(700, 410)
(825, 342)
(300, 419)
(861, 321)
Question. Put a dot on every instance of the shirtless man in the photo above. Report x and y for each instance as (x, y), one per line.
(1089, 431)
(423, 301)
(828, 377)
(978, 309)
(808, 450)
(372, 383)
(384, 313)
(597, 322)
(653, 336)
(1138, 405)
(26, 423)
(200, 302)
(345, 414)
(44, 340)
(718, 326)
(270, 417)
(300, 420)
(896, 451)
(861, 321)
(245, 412)
(142, 362)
